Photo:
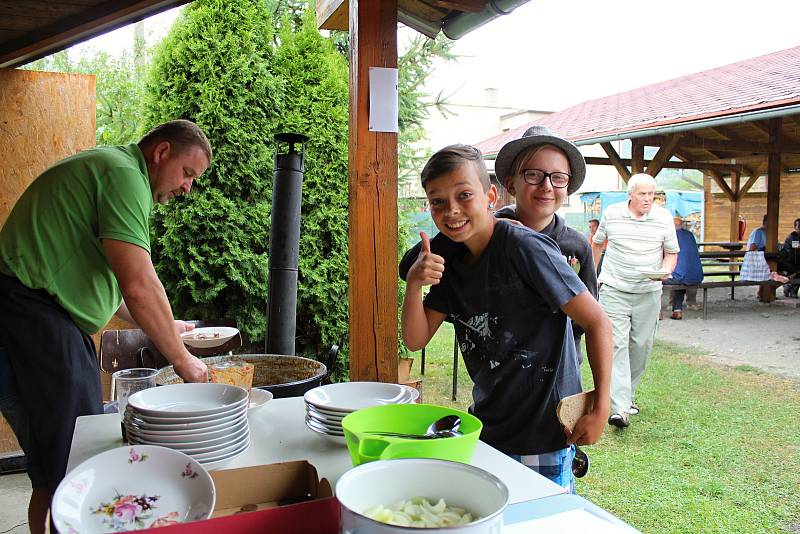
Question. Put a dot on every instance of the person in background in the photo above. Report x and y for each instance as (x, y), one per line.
(758, 237)
(509, 296)
(790, 253)
(593, 225)
(688, 269)
(74, 251)
(641, 237)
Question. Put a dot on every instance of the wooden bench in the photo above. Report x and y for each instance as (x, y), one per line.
(705, 286)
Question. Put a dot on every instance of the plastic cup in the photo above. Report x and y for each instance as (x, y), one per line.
(127, 382)
(233, 372)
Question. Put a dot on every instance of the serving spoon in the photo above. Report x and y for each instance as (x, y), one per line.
(445, 427)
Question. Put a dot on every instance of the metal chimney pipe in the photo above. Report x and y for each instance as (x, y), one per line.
(284, 243)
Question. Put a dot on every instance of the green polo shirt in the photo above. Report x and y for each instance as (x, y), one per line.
(52, 239)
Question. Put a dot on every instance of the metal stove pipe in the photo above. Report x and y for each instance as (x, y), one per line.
(284, 243)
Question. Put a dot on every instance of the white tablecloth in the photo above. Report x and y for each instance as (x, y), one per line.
(279, 434)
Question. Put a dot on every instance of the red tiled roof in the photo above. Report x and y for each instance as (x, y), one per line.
(762, 82)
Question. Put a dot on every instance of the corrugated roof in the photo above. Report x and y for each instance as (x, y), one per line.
(763, 82)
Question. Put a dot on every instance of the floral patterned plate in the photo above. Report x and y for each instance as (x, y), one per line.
(133, 488)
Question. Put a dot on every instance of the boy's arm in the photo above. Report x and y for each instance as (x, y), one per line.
(420, 323)
(584, 310)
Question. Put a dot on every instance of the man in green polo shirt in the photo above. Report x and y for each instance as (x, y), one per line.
(74, 251)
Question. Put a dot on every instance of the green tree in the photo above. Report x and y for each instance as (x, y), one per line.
(120, 84)
(315, 78)
(210, 248)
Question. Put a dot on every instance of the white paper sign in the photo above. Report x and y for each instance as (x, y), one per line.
(383, 106)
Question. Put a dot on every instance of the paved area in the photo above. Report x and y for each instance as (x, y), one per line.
(15, 491)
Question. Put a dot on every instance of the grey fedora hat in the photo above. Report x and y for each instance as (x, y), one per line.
(541, 135)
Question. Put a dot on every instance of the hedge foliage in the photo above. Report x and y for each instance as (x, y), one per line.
(221, 68)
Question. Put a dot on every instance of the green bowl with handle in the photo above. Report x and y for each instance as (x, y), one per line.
(408, 419)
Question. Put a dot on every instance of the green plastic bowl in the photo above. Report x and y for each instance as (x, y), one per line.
(408, 419)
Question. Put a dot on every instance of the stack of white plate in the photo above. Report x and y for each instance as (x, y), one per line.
(326, 406)
(205, 421)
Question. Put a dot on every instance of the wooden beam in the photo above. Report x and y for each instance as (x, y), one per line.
(761, 126)
(773, 201)
(90, 22)
(692, 141)
(663, 155)
(692, 165)
(615, 160)
(722, 185)
(637, 157)
(332, 14)
(733, 233)
(727, 132)
(467, 6)
(746, 187)
(373, 200)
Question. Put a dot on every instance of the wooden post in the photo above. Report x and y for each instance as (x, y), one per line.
(373, 200)
(637, 157)
(733, 234)
(773, 199)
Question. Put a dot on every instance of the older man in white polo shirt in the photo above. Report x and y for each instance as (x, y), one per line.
(642, 251)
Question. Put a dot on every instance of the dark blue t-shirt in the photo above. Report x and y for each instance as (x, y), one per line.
(688, 270)
(516, 342)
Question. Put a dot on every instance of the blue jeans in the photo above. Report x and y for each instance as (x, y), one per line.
(556, 465)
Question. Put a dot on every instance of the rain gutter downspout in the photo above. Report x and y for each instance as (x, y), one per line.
(694, 125)
(460, 24)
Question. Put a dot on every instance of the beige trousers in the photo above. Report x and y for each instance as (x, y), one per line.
(634, 322)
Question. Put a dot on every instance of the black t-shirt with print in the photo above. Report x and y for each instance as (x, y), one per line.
(516, 342)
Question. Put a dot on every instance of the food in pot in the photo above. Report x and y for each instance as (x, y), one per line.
(202, 335)
(420, 513)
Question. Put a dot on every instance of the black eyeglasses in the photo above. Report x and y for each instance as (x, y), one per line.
(537, 176)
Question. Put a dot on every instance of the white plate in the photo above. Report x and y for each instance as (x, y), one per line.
(259, 397)
(208, 462)
(351, 396)
(654, 275)
(157, 420)
(230, 449)
(143, 424)
(160, 438)
(339, 440)
(163, 430)
(188, 400)
(317, 427)
(106, 492)
(326, 416)
(210, 336)
(326, 424)
(199, 447)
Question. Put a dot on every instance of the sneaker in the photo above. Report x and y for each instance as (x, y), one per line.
(633, 410)
(619, 420)
(580, 463)
(677, 315)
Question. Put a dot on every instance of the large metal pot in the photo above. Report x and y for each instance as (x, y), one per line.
(386, 482)
(280, 374)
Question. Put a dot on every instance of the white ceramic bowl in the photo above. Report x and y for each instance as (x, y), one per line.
(210, 336)
(350, 396)
(259, 397)
(132, 488)
(190, 442)
(188, 400)
(333, 438)
(319, 427)
(386, 482)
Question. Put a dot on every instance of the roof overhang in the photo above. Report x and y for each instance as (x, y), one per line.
(31, 30)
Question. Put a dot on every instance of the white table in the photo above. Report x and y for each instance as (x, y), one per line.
(278, 434)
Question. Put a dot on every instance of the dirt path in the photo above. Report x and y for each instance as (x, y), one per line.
(741, 331)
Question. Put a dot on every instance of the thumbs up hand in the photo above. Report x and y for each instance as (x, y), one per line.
(428, 268)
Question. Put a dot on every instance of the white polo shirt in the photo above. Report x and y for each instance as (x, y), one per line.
(634, 245)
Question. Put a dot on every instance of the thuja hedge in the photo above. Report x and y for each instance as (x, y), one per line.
(220, 67)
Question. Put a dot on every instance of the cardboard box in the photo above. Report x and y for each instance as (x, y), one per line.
(288, 498)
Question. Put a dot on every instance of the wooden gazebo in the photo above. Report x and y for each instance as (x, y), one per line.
(735, 123)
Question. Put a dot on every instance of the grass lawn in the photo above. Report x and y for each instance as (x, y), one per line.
(714, 449)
